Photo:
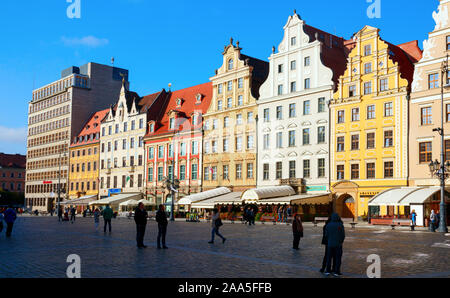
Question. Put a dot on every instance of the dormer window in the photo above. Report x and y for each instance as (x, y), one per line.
(230, 64)
(179, 102)
(198, 98)
(152, 127)
(172, 123)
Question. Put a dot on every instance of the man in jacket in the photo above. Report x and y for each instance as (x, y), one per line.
(297, 230)
(107, 216)
(335, 235)
(140, 217)
(10, 218)
(161, 219)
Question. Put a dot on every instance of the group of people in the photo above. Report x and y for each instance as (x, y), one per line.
(249, 216)
(283, 213)
(140, 218)
(332, 238)
(434, 220)
(8, 216)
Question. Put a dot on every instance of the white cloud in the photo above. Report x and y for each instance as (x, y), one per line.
(13, 135)
(88, 41)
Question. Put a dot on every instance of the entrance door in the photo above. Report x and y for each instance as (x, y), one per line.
(348, 208)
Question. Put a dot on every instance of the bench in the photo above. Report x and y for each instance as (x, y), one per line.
(351, 221)
(401, 222)
(268, 218)
(319, 219)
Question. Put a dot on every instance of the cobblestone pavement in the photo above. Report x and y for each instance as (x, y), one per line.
(40, 245)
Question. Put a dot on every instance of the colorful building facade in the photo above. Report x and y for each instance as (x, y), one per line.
(173, 144)
(229, 143)
(84, 159)
(293, 116)
(369, 119)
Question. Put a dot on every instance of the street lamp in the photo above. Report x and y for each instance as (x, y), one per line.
(442, 169)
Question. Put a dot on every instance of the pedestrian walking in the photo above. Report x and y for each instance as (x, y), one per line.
(280, 214)
(335, 234)
(10, 218)
(60, 214)
(245, 215)
(107, 216)
(73, 213)
(140, 218)
(216, 224)
(52, 211)
(433, 218)
(96, 218)
(297, 230)
(325, 243)
(161, 219)
(413, 219)
(251, 217)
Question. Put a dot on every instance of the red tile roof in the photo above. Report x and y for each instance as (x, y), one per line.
(90, 129)
(13, 160)
(413, 50)
(188, 107)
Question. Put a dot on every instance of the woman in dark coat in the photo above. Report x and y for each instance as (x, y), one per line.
(325, 242)
(297, 230)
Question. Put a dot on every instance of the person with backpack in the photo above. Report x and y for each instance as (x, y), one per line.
(216, 224)
(297, 230)
(161, 219)
(107, 216)
(335, 235)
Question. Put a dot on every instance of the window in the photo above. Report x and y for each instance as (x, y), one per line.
(352, 90)
(341, 116)
(292, 138)
(250, 117)
(116, 129)
(226, 121)
(307, 83)
(321, 134)
(370, 170)
(292, 110)
(266, 115)
(226, 172)
(367, 88)
(266, 171)
(371, 112)
(425, 116)
(367, 68)
(194, 171)
(355, 114)
(214, 146)
(230, 86)
(250, 142)
(293, 41)
(321, 167)
(293, 65)
(132, 143)
(448, 43)
(280, 68)
(182, 172)
(354, 171)
(321, 105)
(219, 88)
(194, 147)
(160, 152)
(307, 61)
(141, 123)
(250, 171)
(240, 100)
(239, 171)
(370, 140)
(279, 139)
(433, 81)
(340, 144)
(388, 138)
(266, 141)
(367, 50)
(171, 123)
(280, 89)
(279, 169)
(447, 112)
(355, 142)
(388, 169)
(306, 136)
(293, 86)
(306, 107)
(133, 125)
(425, 152)
(238, 143)
(125, 126)
(340, 172)
(388, 109)
(183, 149)
(214, 173)
(447, 150)
(229, 103)
(292, 169)
(226, 145)
(306, 168)
(206, 173)
(240, 83)
(279, 112)
(230, 64)
(384, 85)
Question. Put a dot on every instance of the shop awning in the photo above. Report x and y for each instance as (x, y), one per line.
(420, 196)
(213, 193)
(129, 203)
(256, 194)
(81, 201)
(403, 196)
(146, 202)
(311, 199)
(117, 199)
(229, 198)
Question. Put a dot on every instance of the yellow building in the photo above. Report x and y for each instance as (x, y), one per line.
(229, 148)
(369, 120)
(84, 159)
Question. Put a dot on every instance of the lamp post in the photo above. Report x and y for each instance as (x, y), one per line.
(442, 169)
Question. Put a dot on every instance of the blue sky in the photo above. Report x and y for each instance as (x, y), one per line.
(161, 42)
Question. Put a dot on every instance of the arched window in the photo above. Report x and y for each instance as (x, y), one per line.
(230, 64)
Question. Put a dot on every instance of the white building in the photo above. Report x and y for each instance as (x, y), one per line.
(122, 150)
(293, 118)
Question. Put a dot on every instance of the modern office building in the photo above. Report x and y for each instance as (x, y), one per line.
(57, 112)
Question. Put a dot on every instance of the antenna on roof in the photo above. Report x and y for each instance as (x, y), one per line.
(112, 61)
